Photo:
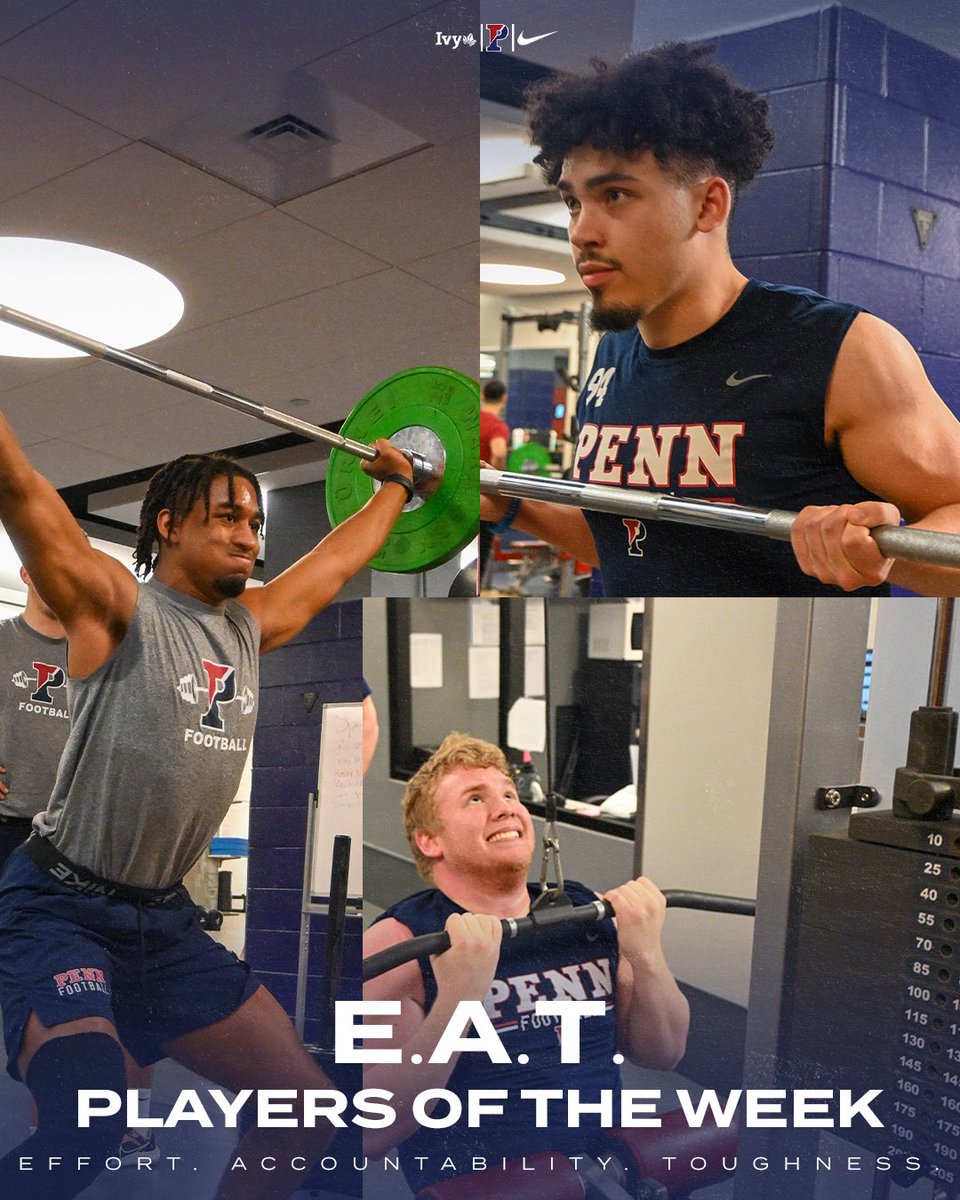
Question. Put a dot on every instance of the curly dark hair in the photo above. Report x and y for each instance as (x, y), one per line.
(178, 486)
(671, 101)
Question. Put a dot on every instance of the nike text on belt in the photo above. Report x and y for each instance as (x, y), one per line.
(85, 882)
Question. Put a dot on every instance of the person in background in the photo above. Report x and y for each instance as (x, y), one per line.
(371, 727)
(494, 442)
(34, 723)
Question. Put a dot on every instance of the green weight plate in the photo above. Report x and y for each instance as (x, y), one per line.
(447, 404)
(530, 459)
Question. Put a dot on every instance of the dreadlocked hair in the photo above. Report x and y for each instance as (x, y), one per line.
(669, 101)
(177, 487)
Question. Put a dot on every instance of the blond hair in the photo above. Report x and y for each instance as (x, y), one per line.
(420, 798)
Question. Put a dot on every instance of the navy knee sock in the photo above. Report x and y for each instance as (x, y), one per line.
(58, 1069)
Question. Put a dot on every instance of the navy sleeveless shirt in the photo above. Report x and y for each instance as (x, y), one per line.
(566, 963)
(735, 414)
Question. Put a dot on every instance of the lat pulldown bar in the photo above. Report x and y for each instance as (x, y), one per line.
(596, 910)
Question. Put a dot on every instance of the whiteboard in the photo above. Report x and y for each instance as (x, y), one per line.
(339, 795)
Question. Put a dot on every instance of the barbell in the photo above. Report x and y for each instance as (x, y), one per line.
(431, 413)
(546, 918)
(918, 545)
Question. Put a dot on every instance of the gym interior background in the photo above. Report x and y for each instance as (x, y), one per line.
(859, 200)
(314, 263)
(736, 712)
(316, 259)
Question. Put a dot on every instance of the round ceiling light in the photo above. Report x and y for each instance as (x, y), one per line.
(526, 276)
(82, 288)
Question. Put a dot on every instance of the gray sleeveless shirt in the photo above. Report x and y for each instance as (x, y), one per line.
(159, 738)
(34, 720)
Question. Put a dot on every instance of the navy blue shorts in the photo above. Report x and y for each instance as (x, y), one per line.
(149, 969)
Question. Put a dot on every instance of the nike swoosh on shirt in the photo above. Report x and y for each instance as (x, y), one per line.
(734, 381)
(523, 40)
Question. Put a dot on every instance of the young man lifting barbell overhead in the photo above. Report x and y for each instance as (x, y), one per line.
(473, 842)
(712, 386)
(99, 942)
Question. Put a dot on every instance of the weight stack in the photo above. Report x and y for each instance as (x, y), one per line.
(877, 994)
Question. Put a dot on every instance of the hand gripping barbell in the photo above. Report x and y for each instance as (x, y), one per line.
(543, 918)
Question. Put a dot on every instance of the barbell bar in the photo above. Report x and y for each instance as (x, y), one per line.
(430, 413)
(563, 914)
(917, 545)
(153, 370)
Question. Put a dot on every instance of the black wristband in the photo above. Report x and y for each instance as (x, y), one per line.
(405, 483)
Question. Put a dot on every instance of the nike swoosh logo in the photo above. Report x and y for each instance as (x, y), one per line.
(523, 40)
(734, 381)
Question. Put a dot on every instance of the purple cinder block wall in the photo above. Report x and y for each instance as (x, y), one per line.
(869, 127)
(326, 659)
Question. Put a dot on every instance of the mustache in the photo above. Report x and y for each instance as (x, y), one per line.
(598, 259)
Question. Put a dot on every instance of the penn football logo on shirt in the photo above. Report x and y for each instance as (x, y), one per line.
(48, 678)
(217, 692)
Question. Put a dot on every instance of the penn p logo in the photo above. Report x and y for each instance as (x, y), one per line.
(219, 688)
(496, 33)
(636, 533)
(49, 676)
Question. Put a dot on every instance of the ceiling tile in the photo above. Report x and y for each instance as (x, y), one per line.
(152, 64)
(280, 143)
(456, 271)
(66, 463)
(18, 15)
(423, 204)
(186, 427)
(90, 396)
(257, 262)
(130, 201)
(40, 140)
(338, 324)
(431, 89)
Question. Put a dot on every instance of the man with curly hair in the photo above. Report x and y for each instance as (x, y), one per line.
(473, 842)
(714, 386)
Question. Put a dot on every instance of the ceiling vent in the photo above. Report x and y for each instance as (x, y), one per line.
(321, 135)
(288, 137)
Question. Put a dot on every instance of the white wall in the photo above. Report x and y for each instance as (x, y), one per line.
(901, 673)
(711, 671)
